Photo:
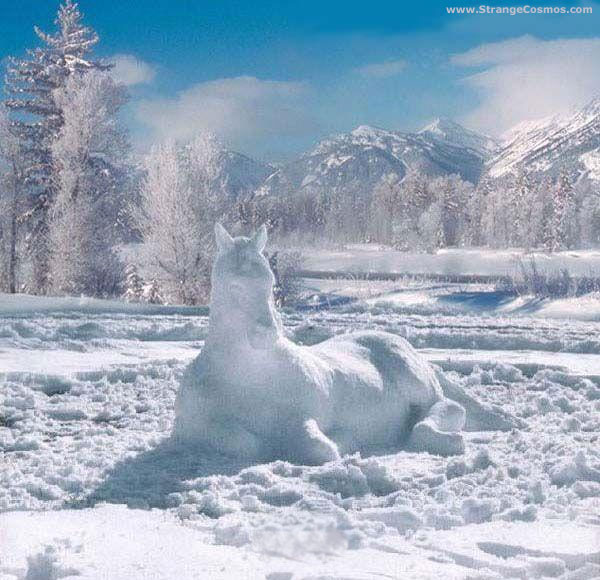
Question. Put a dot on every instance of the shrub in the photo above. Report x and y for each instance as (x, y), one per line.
(530, 280)
(286, 266)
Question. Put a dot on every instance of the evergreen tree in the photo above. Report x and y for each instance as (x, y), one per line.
(563, 224)
(431, 228)
(31, 85)
(134, 285)
(588, 192)
(385, 209)
(519, 207)
(152, 293)
(11, 178)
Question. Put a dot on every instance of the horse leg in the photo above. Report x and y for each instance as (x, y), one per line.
(480, 417)
(226, 436)
(438, 433)
(313, 447)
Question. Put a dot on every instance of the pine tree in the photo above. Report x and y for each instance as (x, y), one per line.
(431, 228)
(588, 191)
(31, 84)
(384, 208)
(11, 171)
(562, 225)
(134, 285)
(152, 293)
(519, 207)
(451, 195)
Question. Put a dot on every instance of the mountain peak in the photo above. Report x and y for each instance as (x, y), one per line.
(368, 132)
(441, 125)
(455, 134)
(567, 141)
(593, 106)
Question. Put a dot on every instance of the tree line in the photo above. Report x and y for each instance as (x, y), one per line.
(423, 214)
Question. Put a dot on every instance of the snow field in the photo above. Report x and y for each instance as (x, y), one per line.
(78, 438)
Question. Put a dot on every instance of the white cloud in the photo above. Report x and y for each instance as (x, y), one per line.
(130, 70)
(382, 70)
(237, 110)
(528, 78)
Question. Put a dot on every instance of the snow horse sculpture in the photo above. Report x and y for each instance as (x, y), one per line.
(254, 394)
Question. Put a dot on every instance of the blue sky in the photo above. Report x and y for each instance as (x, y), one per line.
(271, 78)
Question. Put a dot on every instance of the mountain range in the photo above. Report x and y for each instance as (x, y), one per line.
(360, 159)
(355, 162)
(568, 143)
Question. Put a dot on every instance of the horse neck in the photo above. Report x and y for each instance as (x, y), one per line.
(230, 327)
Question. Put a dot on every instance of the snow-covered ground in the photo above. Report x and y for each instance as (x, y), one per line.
(450, 261)
(86, 410)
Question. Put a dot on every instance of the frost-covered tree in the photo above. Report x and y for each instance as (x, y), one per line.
(90, 177)
(11, 203)
(451, 193)
(588, 192)
(151, 293)
(498, 216)
(506, 211)
(538, 213)
(431, 228)
(134, 284)
(413, 198)
(562, 227)
(167, 223)
(179, 207)
(37, 118)
(385, 210)
(520, 207)
(471, 233)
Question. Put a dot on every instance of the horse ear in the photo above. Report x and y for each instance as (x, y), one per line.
(224, 240)
(259, 239)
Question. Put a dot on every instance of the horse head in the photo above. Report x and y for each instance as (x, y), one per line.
(242, 286)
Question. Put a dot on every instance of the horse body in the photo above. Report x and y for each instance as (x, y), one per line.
(254, 393)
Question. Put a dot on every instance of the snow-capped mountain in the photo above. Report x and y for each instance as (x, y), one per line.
(559, 143)
(358, 160)
(354, 163)
(239, 175)
(448, 131)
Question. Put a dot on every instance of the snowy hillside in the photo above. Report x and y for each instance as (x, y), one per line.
(548, 146)
(238, 174)
(358, 160)
(448, 131)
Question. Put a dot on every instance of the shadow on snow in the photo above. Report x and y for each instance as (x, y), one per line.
(146, 480)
